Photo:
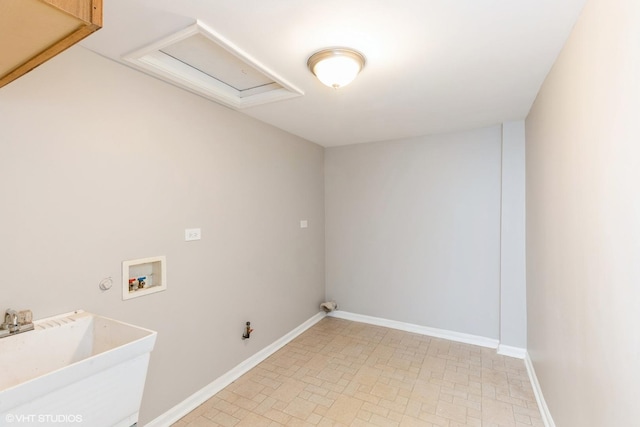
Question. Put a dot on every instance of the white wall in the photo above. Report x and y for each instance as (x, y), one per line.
(583, 222)
(513, 293)
(100, 164)
(413, 230)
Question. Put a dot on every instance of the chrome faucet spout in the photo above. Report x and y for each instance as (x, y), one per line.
(11, 317)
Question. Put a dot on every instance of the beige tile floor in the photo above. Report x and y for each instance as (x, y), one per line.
(343, 373)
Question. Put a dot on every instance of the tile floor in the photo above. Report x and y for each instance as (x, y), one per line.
(343, 373)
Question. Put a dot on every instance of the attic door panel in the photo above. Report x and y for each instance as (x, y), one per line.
(200, 53)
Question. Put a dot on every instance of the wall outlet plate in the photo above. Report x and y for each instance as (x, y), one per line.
(192, 234)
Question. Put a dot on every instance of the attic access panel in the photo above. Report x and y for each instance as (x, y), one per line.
(200, 60)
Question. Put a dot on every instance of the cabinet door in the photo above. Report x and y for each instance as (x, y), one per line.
(33, 31)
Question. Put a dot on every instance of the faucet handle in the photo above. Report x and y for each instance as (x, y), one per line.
(25, 317)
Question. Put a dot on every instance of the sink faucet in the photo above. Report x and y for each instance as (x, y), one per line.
(16, 322)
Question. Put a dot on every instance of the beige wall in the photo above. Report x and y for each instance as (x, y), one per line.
(101, 164)
(583, 222)
(413, 230)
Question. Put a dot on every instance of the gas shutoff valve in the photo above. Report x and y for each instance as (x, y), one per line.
(247, 331)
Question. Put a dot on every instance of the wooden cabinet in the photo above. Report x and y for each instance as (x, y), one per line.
(34, 31)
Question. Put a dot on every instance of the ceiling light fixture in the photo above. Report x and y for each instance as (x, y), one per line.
(336, 67)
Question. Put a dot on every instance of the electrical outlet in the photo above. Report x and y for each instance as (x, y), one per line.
(192, 234)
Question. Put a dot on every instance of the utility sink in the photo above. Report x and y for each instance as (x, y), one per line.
(76, 368)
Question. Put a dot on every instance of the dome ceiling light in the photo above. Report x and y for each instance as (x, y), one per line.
(336, 67)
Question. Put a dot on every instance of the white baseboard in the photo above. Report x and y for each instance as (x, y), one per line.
(537, 391)
(517, 352)
(417, 329)
(204, 394)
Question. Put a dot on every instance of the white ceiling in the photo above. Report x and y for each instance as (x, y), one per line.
(433, 66)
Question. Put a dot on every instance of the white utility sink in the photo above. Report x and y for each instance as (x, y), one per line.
(74, 369)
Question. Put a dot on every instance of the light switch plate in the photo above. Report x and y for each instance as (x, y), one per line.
(192, 234)
(304, 223)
